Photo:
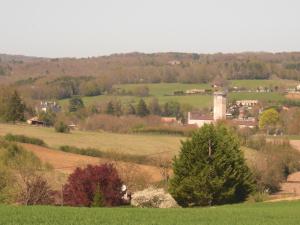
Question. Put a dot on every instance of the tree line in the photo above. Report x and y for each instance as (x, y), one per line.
(63, 78)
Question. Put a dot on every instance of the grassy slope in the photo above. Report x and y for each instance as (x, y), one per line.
(133, 144)
(161, 91)
(243, 214)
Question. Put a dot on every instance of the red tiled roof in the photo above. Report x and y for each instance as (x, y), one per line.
(199, 116)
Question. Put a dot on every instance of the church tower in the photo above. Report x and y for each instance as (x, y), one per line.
(219, 106)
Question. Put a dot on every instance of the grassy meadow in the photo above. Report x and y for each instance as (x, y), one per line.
(164, 91)
(104, 141)
(253, 84)
(240, 214)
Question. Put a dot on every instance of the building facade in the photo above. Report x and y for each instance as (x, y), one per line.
(219, 106)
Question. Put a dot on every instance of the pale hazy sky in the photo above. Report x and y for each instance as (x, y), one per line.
(57, 28)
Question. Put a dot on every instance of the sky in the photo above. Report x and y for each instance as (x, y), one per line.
(82, 28)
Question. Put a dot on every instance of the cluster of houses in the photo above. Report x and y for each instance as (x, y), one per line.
(44, 106)
(220, 113)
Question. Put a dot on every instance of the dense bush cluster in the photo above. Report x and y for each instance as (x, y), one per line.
(93, 185)
(24, 139)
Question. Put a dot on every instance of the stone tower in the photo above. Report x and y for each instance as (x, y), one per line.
(219, 106)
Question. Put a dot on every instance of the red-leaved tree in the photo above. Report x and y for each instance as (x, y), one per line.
(83, 184)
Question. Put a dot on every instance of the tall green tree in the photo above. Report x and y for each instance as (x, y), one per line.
(141, 109)
(14, 108)
(211, 169)
(269, 117)
(154, 107)
(75, 104)
(172, 108)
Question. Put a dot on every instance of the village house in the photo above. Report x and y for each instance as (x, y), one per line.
(168, 120)
(247, 102)
(174, 62)
(35, 121)
(46, 106)
(195, 91)
(219, 113)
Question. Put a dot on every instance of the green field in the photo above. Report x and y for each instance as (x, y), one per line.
(286, 213)
(163, 92)
(162, 89)
(267, 97)
(197, 101)
(125, 143)
(253, 84)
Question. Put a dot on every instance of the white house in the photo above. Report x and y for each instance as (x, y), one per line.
(195, 118)
(247, 102)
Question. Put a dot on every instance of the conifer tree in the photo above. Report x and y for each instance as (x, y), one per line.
(15, 108)
(211, 169)
(75, 104)
(110, 108)
(141, 109)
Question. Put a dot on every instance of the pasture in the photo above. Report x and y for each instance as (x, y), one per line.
(253, 84)
(240, 214)
(164, 93)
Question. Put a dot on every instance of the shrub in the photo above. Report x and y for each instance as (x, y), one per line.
(24, 139)
(258, 197)
(36, 191)
(140, 159)
(20, 182)
(61, 127)
(83, 183)
(153, 198)
(277, 160)
(211, 169)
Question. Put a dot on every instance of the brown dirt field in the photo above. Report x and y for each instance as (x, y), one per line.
(67, 162)
(295, 96)
(295, 144)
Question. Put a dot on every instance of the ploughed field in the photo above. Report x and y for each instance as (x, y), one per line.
(241, 214)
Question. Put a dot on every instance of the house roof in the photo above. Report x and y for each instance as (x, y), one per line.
(200, 116)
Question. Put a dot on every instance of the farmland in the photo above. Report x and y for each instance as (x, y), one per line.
(246, 214)
(164, 93)
(125, 143)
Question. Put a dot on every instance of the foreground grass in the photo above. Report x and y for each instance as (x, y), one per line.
(136, 144)
(243, 214)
